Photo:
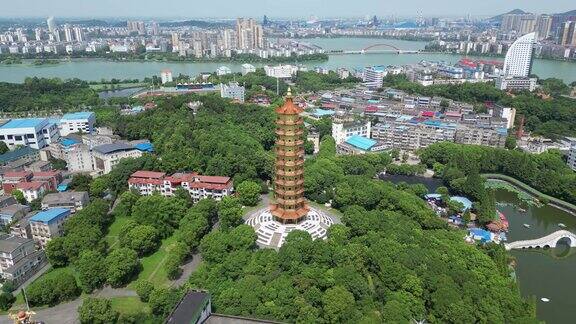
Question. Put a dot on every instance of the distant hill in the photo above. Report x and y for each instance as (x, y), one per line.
(567, 13)
(512, 12)
(194, 23)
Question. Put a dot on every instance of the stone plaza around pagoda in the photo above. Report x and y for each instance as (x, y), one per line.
(271, 233)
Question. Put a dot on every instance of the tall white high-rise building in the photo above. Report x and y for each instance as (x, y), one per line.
(68, 33)
(250, 35)
(51, 24)
(518, 62)
(38, 34)
(78, 34)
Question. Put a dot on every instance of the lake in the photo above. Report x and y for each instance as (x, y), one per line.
(97, 69)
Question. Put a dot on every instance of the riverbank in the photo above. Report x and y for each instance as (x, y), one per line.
(502, 56)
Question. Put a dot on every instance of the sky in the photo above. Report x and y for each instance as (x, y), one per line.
(273, 8)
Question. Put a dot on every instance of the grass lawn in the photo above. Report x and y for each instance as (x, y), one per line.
(112, 237)
(129, 305)
(330, 210)
(153, 269)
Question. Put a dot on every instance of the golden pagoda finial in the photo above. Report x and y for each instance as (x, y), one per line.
(289, 93)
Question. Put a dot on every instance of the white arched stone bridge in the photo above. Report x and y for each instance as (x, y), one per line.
(548, 241)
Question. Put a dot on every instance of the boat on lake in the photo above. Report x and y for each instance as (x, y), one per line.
(561, 225)
(526, 225)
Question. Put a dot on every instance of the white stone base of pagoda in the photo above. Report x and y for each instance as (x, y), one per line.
(271, 233)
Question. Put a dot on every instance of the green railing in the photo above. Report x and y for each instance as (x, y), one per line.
(533, 192)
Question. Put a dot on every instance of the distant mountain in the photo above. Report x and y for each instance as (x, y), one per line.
(512, 12)
(195, 23)
(567, 13)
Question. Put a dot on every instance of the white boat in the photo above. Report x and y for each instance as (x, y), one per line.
(544, 299)
(526, 225)
(561, 225)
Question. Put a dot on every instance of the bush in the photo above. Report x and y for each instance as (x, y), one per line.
(144, 288)
(53, 288)
(162, 300)
(97, 311)
(6, 300)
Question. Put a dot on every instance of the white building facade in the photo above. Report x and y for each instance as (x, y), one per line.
(79, 122)
(33, 132)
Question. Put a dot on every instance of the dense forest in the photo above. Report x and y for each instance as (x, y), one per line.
(552, 117)
(392, 259)
(546, 172)
(38, 94)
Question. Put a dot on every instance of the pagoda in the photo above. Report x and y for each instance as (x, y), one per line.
(290, 205)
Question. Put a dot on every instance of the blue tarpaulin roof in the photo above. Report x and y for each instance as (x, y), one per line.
(463, 200)
(78, 115)
(68, 142)
(481, 234)
(361, 142)
(322, 112)
(24, 123)
(145, 147)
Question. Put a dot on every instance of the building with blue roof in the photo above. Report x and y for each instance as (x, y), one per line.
(48, 224)
(77, 122)
(463, 200)
(145, 147)
(36, 133)
(359, 145)
(480, 235)
(319, 113)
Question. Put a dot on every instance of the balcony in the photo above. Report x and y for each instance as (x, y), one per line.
(296, 132)
(289, 143)
(280, 163)
(290, 173)
(281, 192)
(281, 152)
(289, 183)
(299, 121)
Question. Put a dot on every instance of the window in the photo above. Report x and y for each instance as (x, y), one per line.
(29, 135)
(10, 136)
(18, 138)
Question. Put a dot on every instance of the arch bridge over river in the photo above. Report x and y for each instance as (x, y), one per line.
(378, 48)
(548, 241)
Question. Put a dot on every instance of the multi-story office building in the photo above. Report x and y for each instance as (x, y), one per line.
(344, 129)
(19, 259)
(51, 23)
(73, 200)
(12, 213)
(166, 76)
(373, 76)
(105, 157)
(48, 224)
(518, 61)
(232, 90)
(572, 154)
(407, 135)
(79, 122)
(568, 36)
(518, 65)
(33, 132)
(68, 33)
(136, 26)
(248, 68)
(281, 71)
(199, 186)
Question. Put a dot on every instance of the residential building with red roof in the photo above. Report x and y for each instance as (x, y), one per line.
(199, 186)
(32, 184)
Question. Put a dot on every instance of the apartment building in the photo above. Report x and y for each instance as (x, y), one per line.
(344, 129)
(78, 122)
(73, 200)
(48, 224)
(105, 157)
(19, 259)
(199, 186)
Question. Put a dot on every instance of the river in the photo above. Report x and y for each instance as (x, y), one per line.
(97, 69)
(547, 273)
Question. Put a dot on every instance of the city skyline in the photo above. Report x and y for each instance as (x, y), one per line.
(295, 8)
